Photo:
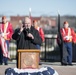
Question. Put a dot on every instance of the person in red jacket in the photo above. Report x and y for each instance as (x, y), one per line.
(68, 36)
(40, 30)
(6, 31)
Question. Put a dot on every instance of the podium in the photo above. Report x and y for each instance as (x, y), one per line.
(28, 58)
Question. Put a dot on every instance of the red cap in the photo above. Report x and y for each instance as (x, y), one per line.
(34, 21)
(65, 22)
(3, 17)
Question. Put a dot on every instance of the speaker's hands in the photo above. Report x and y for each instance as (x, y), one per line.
(21, 27)
(30, 35)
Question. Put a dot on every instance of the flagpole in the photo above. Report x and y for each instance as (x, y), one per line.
(29, 12)
(60, 38)
(58, 21)
(59, 27)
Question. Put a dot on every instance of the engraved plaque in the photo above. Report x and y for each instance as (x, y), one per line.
(29, 59)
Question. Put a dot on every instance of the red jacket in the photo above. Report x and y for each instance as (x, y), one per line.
(68, 35)
(41, 32)
(74, 38)
(9, 30)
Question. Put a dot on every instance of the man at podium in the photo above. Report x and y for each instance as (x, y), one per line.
(27, 37)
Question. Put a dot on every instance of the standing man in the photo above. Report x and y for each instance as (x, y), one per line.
(67, 35)
(6, 31)
(27, 37)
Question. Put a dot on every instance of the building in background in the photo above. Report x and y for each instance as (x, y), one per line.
(44, 22)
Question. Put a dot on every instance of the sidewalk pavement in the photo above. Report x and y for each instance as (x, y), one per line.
(62, 70)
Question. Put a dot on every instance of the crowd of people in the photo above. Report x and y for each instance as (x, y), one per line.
(31, 36)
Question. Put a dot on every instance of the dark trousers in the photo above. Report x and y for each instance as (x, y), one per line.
(1, 56)
(38, 46)
(67, 53)
(63, 53)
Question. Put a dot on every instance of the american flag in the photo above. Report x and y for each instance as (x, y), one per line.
(3, 44)
(4, 47)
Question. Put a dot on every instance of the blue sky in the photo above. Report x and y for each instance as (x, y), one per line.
(38, 7)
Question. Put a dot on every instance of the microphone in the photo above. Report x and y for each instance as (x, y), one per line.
(27, 31)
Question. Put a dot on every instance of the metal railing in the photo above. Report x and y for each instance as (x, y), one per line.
(49, 49)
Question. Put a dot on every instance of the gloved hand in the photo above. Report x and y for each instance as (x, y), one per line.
(67, 37)
(2, 34)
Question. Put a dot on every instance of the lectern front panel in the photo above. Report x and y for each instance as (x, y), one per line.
(28, 59)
